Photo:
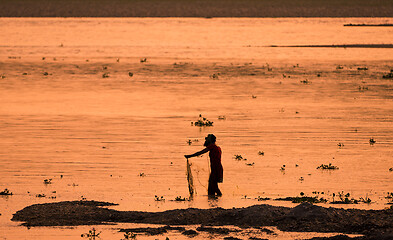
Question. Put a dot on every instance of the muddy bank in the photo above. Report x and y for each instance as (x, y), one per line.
(302, 218)
(195, 8)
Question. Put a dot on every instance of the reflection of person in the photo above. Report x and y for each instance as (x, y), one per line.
(216, 174)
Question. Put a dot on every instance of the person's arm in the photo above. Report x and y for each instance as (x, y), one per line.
(197, 153)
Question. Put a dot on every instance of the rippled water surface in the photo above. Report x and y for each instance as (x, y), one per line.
(122, 139)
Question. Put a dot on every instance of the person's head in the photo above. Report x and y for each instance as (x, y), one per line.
(210, 139)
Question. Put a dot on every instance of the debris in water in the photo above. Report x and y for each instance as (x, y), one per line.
(48, 181)
(388, 75)
(6, 192)
(159, 199)
(328, 167)
(202, 122)
(180, 199)
(92, 234)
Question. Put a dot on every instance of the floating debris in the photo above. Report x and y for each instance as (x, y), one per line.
(105, 75)
(92, 234)
(285, 76)
(365, 200)
(372, 141)
(40, 195)
(202, 122)
(214, 75)
(46, 73)
(339, 67)
(362, 68)
(362, 89)
(48, 181)
(262, 199)
(302, 199)
(388, 75)
(129, 235)
(6, 192)
(222, 117)
(159, 199)
(328, 167)
(389, 197)
(180, 199)
(305, 81)
(344, 199)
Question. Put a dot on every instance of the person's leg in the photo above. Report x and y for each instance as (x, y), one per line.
(211, 191)
(219, 193)
(213, 187)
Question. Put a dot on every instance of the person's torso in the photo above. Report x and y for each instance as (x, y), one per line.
(215, 155)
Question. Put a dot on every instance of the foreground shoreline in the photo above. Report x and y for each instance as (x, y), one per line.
(305, 217)
(195, 8)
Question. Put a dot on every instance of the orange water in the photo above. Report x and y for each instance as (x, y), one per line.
(100, 133)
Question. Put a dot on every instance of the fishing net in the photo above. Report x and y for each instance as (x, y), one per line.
(190, 179)
(201, 173)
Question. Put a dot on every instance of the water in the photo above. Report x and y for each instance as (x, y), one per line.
(101, 134)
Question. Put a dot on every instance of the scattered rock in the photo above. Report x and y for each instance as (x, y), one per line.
(190, 232)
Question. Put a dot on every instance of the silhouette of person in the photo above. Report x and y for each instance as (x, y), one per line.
(216, 173)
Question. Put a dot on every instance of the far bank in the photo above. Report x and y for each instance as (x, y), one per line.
(196, 8)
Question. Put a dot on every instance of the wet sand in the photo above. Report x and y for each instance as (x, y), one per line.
(304, 217)
(195, 8)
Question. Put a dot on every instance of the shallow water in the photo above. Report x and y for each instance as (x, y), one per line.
(100, 133)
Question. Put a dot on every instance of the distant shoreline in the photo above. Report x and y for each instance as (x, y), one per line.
(195, 8)
(338, 46)
(369, 25)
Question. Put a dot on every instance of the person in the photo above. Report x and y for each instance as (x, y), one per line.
(216, 173)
